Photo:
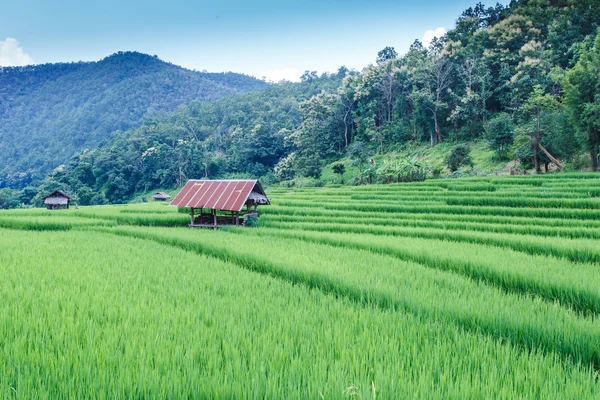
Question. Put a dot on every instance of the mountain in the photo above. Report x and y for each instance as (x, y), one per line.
(50, 112)
(521, 81)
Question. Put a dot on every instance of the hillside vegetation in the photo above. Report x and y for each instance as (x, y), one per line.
(466, 288)
(521, 81)
(50, 112)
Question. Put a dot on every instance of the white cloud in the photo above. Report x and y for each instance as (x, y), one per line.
(12, 55)
(276, 75)
(431, 33)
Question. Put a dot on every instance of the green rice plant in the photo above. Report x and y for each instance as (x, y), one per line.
(573, 285)
(188, 326)
(576, 250)
(525, 202)
(473, 188)
(570, 213)
(47, 223)
(478, 218)
(441, 223)
(369, 278)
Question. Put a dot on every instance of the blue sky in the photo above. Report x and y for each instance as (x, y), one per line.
(276, 39)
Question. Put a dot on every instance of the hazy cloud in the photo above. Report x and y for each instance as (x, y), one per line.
(431, 33)
(288, 74)
(12, 55)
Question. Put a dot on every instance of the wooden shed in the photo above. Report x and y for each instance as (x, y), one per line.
(218, 203)
(57, 200)
(161, 196)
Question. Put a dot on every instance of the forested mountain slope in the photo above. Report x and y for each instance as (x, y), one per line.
(241, 135)
(524, 79)
(50, 112)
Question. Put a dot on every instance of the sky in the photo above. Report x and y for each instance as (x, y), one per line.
(267, 38)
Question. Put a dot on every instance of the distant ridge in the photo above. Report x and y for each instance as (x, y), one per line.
(49, 112)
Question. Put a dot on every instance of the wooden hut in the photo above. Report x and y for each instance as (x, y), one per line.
(161, 196)
(57, 200)
(218, 203)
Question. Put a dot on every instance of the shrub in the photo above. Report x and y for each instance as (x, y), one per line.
(339, 168)
(500, 135)
(406, 170)
(460, 156)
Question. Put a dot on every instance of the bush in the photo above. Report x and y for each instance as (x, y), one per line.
(460, 156)
(252, 222)
(500, 135)
(8, 199)
(406, 170)
(339, 168)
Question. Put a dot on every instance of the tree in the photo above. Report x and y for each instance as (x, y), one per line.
(538, 103)
(347, 96)
(320, 132)
(459, 156)
(435, 77)
(475, 90)
(582, 98)
(388, 53)
(85, 195)
(360, 157)
(339, 168)
(284, 170)
(8, 199)
(27, 194)
(500, 135)
(309, 76)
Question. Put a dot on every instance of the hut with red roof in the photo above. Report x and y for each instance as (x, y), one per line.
(219, 203)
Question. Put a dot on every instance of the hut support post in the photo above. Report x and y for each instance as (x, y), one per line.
(214, 211)
(192, 217)
(237, 218)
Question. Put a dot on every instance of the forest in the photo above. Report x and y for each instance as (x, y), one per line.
(524, 78)
(50, 112)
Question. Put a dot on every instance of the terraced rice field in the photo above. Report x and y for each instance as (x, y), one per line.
(468, 288)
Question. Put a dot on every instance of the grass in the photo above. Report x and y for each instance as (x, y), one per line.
(469, 288)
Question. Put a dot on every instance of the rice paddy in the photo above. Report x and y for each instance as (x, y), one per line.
(470, 288)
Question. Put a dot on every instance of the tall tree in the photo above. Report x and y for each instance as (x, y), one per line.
(436, 77)
(538, 103)
(582, 97)
(387, 54)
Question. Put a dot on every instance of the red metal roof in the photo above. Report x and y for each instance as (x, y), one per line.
(227, 195)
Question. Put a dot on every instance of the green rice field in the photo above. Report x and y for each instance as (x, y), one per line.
(446, 289)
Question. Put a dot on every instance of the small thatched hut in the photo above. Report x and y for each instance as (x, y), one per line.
(224, 200)
(57, 200)
(161, 196)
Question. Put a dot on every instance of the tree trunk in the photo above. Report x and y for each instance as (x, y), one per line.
(536, 143)
(438, 132)
(346, 133)
(554, 160)
(594, 156)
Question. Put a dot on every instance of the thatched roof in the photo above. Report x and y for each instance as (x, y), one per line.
(257, 198)
(161, 195)
(53, 201)
(58, 197)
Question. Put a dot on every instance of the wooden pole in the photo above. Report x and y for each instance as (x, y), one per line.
(214, 218)
(237, 218)
(192, 217)
(547, 153)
